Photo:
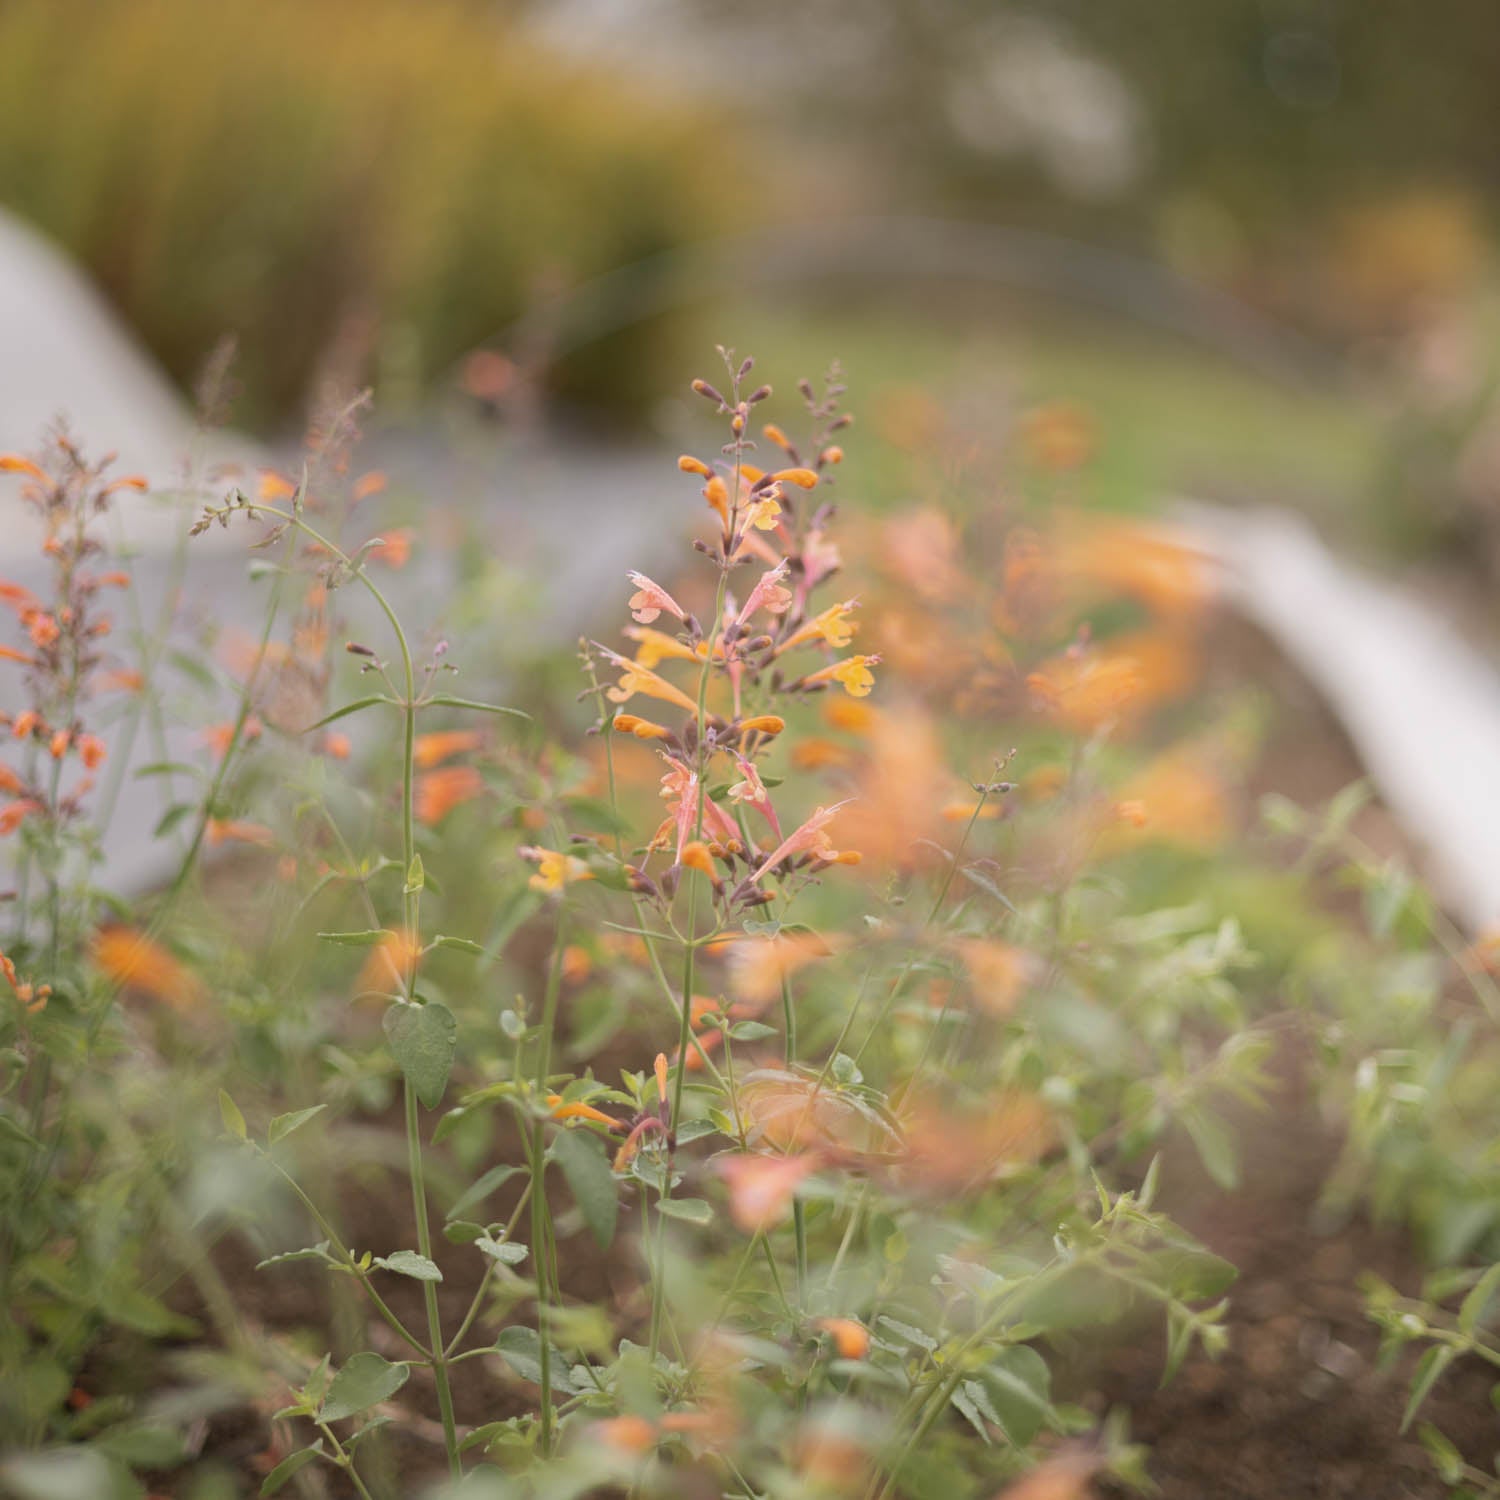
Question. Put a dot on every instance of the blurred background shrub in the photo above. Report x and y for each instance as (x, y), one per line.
(367, 179)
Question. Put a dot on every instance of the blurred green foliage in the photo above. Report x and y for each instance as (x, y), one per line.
(298, 172)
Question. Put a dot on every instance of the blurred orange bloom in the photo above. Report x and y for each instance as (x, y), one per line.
(433, 749)
(1059, 436)
(948, 1150)
(997, 972)
(791, 1113)
(850, 1338)
(389, 963)
(134, 961)
(758, 965)
(1118, 680)
(761, 1188)
(438, 792)
(395, 547)
(1181, 798)
(223, 830)
(1111, 556)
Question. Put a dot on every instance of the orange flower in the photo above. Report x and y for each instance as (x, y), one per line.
(1059, 436)
(627, 1434)
(950, 1150)
(13, 463)
(134, 961)
(761, 1188)
(1150, 563)
(224, 830)
(274, 486)
(833, 627)
(554, 869)
(997, 972)
(391, 962)
(124, 680)
(394, 547)
(850, 1338)
(91, 751)
(811, 838)
(642, 729)
(42, 628)
(758, 965)
(852, 673)
(433, 749)
(1180, 799)
(368, 484)
(336, 745)
(635, 678)
(650, 599)
(655, 646)
(439, 792)
(791, 1113)
(12, 814)
(577, 1110)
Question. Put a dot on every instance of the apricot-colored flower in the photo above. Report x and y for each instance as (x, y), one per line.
(42, 628)
(225, 830)
(13, 463)
(576, 1109)
(997, 971)
(390, 965)
(768, 594)
(1116, 681)
(433, 749)
(762, 724)
(788, 1112)
(1151, 563)
(949, 1149)
(850, 1338)
(627, 1434)
(1059, 436)
(274, 486)
(134, 961)
(655, 646)
(367, 485)
(1180, 798)
(811, 837)
(650, 599)
(642, 729)
(438, 792)
(758, 965)
(554, 868)
(634, 678)
(393, 548)
(14, 813)
(833, 627)
(852, 673)
(761, 1188)
(337, 745)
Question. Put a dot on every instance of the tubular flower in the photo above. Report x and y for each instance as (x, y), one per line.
(762, 724)
(812, 838)
(554, 868)
(642, 729)
(223, 830)
(634, 678)
(650, 599)
(767, 594)
(577, 1110)
(852, 673)
(751, 790)
(763, 512)
(656, 646)
(833, 627)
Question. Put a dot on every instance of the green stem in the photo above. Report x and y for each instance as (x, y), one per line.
(429, 1291)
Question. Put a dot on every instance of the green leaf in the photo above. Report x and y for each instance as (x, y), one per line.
(424, 1039)
(234, 1121)
(481, 1189)
(751, 1031)
(350, 708)
(507, 1252)
(289, 1466)
(1215, 1147)
(283, 1125)
(365, 1381)
(908, 1334)
(689, 1210)
(1019, 1383)
(1429, 1368)
(63, 1474)
(458, 944)
(409, 1263)
(168, 768)
(143, 1447)
(11, 1126)
(369, 937)
(1473, 1307)
(694, 1130)
(171, 818)
(1446, 1459)
(287, 1257)
(521, 1349)
(593, 1184)
(444, 701)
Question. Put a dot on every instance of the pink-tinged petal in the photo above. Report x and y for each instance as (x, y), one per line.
(809, 836)
(650, 599)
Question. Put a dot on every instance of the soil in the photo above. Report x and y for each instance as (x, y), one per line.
(1297, 1406)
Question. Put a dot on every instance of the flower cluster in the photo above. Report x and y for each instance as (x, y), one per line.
(772, 551)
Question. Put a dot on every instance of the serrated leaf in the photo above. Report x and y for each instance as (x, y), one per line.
(368, 937)
(963, 1401)
(283, 1125)
(1431, 1365)
(365, 1381)
(287, 1257)
(592, 1182)
(409, 1263)
(234, 1121)
(479, 1190)
(289, 1466)
(908, 1334)
(689, 1210)
(424, 1040)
